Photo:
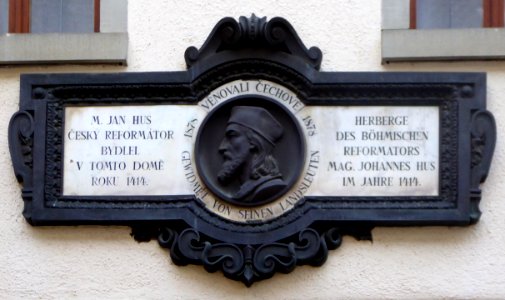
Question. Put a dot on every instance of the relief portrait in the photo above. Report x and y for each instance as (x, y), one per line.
(250, 137)
(249, 151)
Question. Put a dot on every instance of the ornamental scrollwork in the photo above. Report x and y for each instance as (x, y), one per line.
(248, 263)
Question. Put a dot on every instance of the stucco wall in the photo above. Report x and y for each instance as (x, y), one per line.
(105, 262)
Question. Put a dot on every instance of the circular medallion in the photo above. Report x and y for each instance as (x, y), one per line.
(250, 150)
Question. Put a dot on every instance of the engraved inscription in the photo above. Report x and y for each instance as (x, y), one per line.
(124, 150)
(378, 151)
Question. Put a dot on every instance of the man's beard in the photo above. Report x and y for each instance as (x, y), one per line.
(230, 169)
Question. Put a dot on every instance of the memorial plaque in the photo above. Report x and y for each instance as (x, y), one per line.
(252, 161)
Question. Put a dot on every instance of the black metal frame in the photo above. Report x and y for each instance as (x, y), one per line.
(253, 49)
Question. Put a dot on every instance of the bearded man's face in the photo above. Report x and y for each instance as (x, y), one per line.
(236, 151)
